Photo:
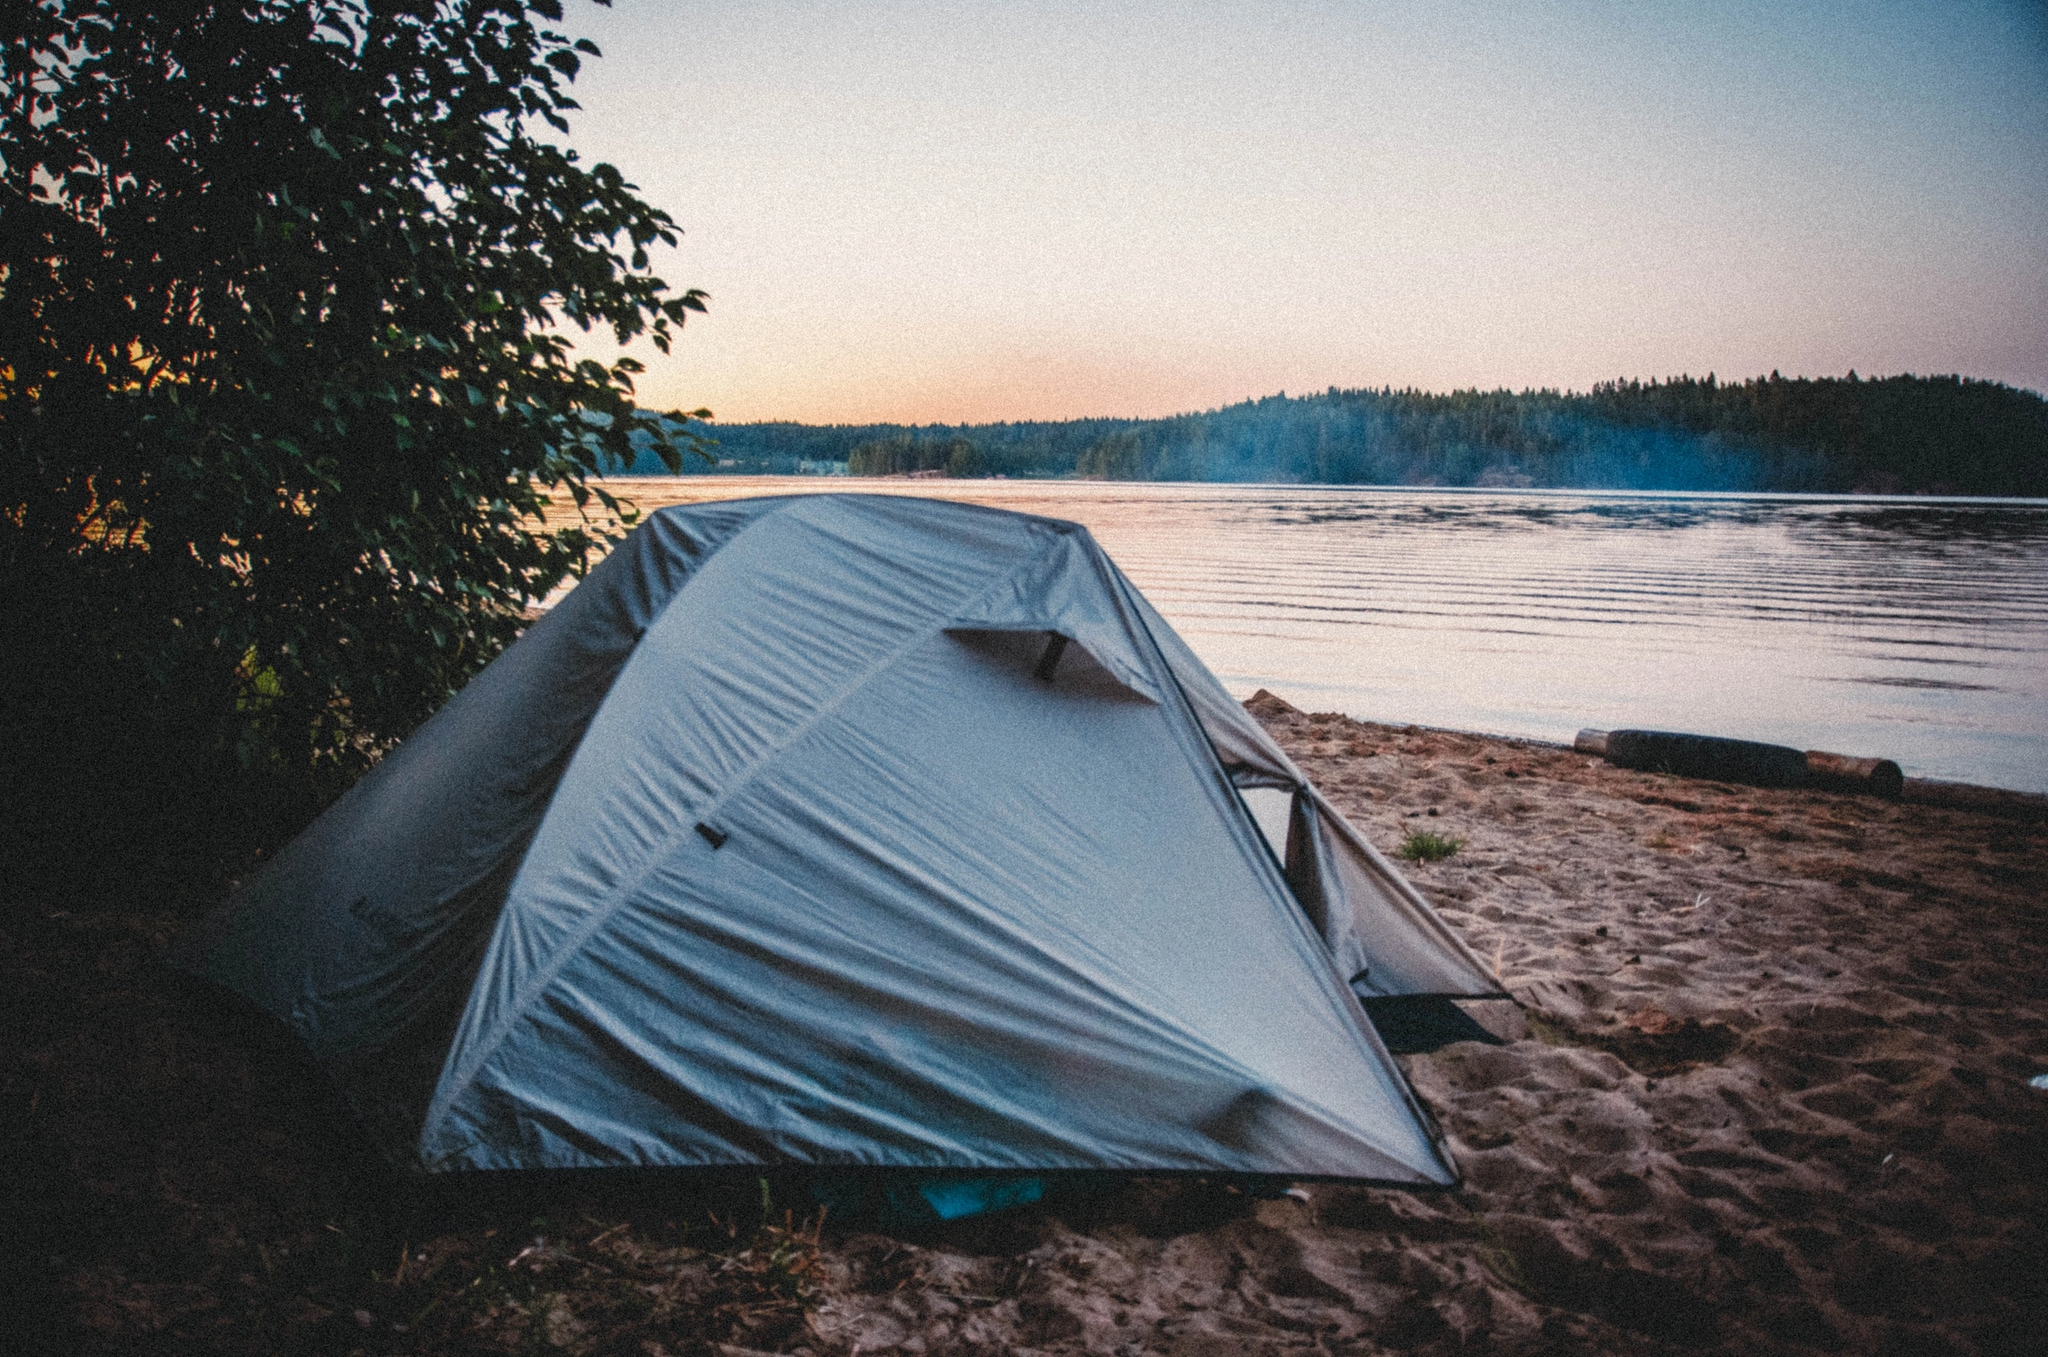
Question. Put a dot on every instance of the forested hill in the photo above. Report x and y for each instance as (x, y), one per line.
(1926, 435)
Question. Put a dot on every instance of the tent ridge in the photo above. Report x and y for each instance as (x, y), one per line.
(1217, 769)
(747, 777)
(1438, 1148)
(462, 1077)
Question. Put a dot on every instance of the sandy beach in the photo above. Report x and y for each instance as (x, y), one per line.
(1766, 1091)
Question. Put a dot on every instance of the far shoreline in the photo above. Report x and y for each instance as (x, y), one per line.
(829, 484)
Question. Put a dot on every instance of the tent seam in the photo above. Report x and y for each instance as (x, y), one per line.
(1431, 1128)
(462, 1079)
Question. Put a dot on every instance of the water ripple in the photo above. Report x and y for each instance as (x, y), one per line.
(1814, 622)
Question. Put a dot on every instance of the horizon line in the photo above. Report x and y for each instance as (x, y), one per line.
(707, 417)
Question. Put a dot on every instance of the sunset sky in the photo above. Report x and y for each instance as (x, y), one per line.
(925, 212)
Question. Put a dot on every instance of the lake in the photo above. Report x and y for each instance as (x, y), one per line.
(1915, 629)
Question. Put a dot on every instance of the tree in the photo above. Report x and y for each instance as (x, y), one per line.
(288, 295)
(1115, 457)
(904, 453)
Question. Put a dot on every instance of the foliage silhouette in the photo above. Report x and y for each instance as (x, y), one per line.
(1893, 434)
(286, 378)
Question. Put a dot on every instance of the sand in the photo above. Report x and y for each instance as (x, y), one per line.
(1766, 1092)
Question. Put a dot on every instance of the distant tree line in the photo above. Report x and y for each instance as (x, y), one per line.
(904, 453)
(1906, 434)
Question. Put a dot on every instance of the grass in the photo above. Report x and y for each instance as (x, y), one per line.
(1424, 845)
(777, 1265)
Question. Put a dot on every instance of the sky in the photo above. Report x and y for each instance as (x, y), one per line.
(920, 212)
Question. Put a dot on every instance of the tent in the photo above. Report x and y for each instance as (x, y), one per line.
(849, 831)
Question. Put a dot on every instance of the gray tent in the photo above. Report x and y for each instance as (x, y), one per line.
(849, 830)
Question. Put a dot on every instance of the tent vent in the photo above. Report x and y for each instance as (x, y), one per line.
(1055, 646)
(716, 838)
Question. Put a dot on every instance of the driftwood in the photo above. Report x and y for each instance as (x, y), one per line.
(1840, 772)
(1746, 761)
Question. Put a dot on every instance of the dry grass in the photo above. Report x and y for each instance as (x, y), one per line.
(1423, 845)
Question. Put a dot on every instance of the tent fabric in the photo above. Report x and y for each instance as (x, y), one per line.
(848, 830)
(1384, 935)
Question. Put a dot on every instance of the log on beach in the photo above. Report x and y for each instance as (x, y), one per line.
(1846, 773)
(1718, 759)
(1706, 756)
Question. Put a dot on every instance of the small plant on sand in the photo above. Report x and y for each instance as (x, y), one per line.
(1424, 845)
(780, 1261)
(770, 1273)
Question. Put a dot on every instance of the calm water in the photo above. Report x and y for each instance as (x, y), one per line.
(1915, 629)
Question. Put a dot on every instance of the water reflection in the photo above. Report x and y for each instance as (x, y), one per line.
(1913, 629)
